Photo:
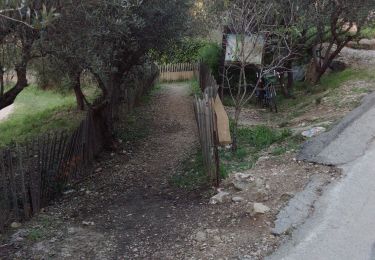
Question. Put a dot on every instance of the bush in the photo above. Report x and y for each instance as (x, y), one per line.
(185, 51)
(210, 54)
(49, 75)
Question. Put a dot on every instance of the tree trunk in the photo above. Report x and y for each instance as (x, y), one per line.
(21, 70)
(80, 97)
(235, 128)
(8, 97)
(1, 81)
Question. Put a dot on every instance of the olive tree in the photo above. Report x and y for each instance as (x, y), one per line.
(21, 24)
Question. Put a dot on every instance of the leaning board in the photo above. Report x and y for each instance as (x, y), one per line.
(222, 122)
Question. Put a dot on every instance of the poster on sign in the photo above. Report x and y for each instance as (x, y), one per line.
(247, 49)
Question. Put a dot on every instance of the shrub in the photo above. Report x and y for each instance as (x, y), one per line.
(210, 54)
(185, 51)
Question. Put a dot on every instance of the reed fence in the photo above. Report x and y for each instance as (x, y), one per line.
(176, 72)
(34, 173)
(37, 171)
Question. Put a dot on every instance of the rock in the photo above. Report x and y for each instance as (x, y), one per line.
(366, 44)
(19, 235)
(299, 72)
(259, 183)
(242, 181)
(41, 248)
(217, 239)
(237, 199)
(241, 185)
(242, 176)
(88, 223)
(337, 66)
(73, 230)
(68, 192)
(98, 170)
(219, 198)
(313, 131)
(15, 225)
(258, 208)
(201, 236)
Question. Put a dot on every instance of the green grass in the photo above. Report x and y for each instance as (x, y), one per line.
(307, 95)
(335, 80)
(37, 111)
(134, 129)
(35, 234)
(368, 32)
(360, 90)
(252, 141)
(192, 174)
(146, 98)
(228, 101)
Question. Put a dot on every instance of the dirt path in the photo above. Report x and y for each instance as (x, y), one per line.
(6, 112)
(129, 209)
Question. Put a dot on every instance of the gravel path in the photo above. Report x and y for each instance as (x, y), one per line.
(130, 209)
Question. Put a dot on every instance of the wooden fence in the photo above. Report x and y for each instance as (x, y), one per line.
(177, 72)
(207, 123)
(208, 133)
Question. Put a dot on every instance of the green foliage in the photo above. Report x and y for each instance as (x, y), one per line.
(195, 88)
(37, 111)
(368, 32)
(135, 129)
(335, 80)
(279, 150)
(210, 54)
(184, 51)
(35, 234)
(252, 141)
(261, 137)
(146, 98)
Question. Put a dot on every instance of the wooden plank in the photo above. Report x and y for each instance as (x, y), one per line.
(13, 186)
(25, 200)
(223, 127)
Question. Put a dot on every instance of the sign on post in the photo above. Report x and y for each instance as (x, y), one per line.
(245, 48)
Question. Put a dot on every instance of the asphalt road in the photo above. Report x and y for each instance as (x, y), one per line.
(342, 226)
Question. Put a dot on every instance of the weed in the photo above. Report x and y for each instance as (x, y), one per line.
(251, 143)
(195, 88)
(261, 136)
(192, 174)
(368, 32)
(134, 129)
(35, 234)
(228, 101)
(360, 90)
(279, 151)
(146, 98)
